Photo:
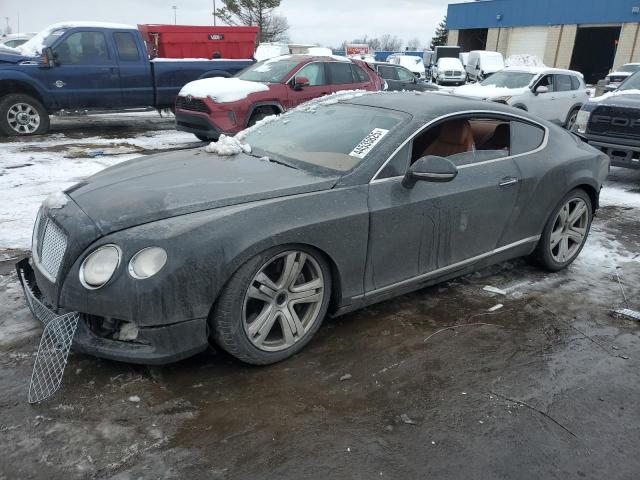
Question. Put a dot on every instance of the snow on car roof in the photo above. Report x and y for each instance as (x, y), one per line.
(539, 70)
(34, 46)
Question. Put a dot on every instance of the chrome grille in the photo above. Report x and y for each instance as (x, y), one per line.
(452, 73)
(49, 246)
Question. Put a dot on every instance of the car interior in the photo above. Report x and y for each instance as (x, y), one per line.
(465, 141)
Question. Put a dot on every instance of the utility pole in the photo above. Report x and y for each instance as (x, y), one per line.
(175, 14)
(214, 13)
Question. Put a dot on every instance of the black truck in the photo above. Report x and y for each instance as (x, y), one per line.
(611, 123)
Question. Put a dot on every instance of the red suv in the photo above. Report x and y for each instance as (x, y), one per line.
(212, 106)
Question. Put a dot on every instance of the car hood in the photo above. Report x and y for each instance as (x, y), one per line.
(475, 90)
(152, 188)
(619, 98)
(8, 56)
(619, 74)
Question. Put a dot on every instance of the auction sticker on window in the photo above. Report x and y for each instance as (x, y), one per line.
(370, 141)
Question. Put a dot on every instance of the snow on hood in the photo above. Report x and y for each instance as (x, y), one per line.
(615, 93)
(222, 90)
(33, 47)
(476, 90)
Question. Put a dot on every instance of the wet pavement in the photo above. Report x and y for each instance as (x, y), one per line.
(429, 385)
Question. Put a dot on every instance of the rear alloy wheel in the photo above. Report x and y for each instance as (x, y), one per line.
(273, 305)
(566, 231)
(22, 115)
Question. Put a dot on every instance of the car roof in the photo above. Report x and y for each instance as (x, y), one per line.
(301, 57)
(538, 70)
(426, 105)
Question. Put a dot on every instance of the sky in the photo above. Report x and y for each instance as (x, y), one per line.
(325, 22)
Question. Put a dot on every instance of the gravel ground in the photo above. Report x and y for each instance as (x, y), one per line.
(547, 387)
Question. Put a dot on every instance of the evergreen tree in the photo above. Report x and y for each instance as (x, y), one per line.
(440, 37)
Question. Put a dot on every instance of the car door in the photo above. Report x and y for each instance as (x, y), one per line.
(134, 71)
(318, 84)
(544, 104)
(431, 227)
(408, 81)
(86, 74)
(343, 77)
(565, 97)
(389, 73)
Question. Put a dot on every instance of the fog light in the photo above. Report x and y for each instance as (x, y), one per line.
(147, 262)
(98, 268)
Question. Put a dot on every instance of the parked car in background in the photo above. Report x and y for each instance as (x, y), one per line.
(325, 211)
(265, 51)
(448, 71)
(611, 123)
(411, 62)
(464, 58)
(615, 79)
(15, 39)
(427, 60)
(211, 107)
(399, 78)
(88, 66)
(550, 93)
(482, 64)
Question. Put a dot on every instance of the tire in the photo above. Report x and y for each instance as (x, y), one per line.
(550, 256)
(203, 138)
(241, 305)
(22, 115)
(571, 119)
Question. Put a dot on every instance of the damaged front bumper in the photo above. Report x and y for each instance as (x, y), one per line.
(156, 345)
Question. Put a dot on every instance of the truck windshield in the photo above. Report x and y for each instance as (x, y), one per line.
(509, 79)
(632, 67)
(632, 83)
(326, 138)
(273, 70)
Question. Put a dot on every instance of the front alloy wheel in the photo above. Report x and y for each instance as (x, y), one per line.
(272, 305)
(22, 114)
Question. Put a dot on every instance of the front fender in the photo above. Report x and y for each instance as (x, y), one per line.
(30, 82)
(205, 249)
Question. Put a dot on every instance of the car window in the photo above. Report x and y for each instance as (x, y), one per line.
(547, 81)
(126, 46)
(314, 72)
(575, 83)
(405, 75)
(397, 166)
(340, 72)
(358, 74)
(82, 48)
(525, 137)
(562, 83)
(508, 79)
(274, 70)
(465, 140)
(388, 72)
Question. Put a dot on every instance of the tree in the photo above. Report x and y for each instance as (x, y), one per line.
(414, 44)
(271, 27)
(390, 43)
(440, 37)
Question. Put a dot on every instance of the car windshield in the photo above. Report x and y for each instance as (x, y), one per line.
(324, 139)
(273, 70)
(632, 83)
(508, 79)
(630, 68)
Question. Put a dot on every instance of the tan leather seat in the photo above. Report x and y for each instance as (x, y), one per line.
(455, 137)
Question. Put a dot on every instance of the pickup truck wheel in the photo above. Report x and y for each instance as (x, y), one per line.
(22, 114)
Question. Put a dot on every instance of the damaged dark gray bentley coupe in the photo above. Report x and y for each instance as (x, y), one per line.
(334, 206)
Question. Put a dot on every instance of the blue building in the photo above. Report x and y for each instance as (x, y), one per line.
(590, 36)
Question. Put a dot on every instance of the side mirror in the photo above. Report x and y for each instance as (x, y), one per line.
(430, 169)
(300, 82)
(541, 89)
(48, 57)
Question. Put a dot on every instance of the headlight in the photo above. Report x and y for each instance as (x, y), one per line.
(582, 120)
(504, 99)
(147, 262)
(98, 268)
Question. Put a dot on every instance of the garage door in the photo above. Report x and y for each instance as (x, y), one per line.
(530, 40)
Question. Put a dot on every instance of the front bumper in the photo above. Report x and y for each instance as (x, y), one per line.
(198, 124)
(153, 346)
(621, 155)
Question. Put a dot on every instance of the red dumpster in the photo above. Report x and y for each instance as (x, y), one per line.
(188, 41)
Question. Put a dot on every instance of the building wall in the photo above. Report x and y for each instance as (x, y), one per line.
(628, 45)
(498, 40)
(560, 42)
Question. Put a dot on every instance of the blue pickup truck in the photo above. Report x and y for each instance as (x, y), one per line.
(83, 67)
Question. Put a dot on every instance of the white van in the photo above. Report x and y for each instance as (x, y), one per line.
(411, 62)
(482, 64)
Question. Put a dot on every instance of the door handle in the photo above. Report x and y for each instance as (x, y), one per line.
(506, 181)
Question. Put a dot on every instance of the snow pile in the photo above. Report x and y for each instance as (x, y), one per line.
(476, 90)
(34, 46)
(222, 90)
(227, 146)
(56, 200)
(615, 93)
(524, 60)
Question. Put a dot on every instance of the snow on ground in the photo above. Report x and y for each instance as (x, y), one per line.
(31, 170)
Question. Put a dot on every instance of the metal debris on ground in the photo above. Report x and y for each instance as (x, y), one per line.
(496, 307)
(52, 356)
(497, 290)
(406, 419)
(346, 376)
(627, 313)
